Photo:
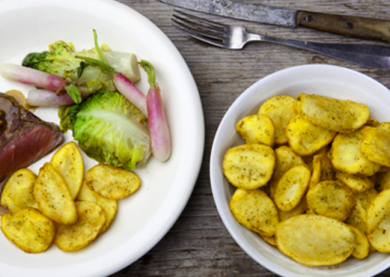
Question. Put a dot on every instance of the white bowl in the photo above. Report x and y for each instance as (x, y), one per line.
(326, 80)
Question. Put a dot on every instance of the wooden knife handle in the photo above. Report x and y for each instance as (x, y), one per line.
(351, 26)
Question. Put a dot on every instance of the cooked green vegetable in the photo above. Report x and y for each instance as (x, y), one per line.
(109, 129)
(63, 61)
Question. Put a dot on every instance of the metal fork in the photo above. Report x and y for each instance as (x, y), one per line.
(236, 37)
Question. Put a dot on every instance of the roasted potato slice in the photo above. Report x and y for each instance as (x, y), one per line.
(327, 171)
(331, 199)
(346, 155)
(375, 145)
(69, 164)
(28, 229)
(306, 138)
(309, 210)
(316, 174)
(354, 182)
(378, 222)
(249, 166)
(112, 182)
(383, 169)
(383, 181)
(322, 170)
(53, 196)
(342, 116)
(299, 209)
(270, 240)
(255, 210)
(315, 240)
(90, 221)
(358, 216)
(291, 187)
(110, 206)
(18, 191)
(384, 126)
(309, 159)
(362, 246)
(372, 122)
(280, 109)
(285, 159)
(257, 129)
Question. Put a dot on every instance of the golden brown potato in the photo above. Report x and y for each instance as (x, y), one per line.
(69, 164)
(346, 155)
(383, 181)
(291, 187)
(28, 229)
(299, 209)
(112, 182)
(375, 145)
(249, 166)
(315, 240)
(372, 122)
(322, 170)
(331, 199)
(378, 222)
(270, 240)
(257, 129)
(53, 196)
(280, 109)
(383, 169)
(285, 159)
(309, 159)
(110, 206)
(358, 216)
(342, 116)
(384, 126)
(362, 246)
(354, 182)
(306, 138)
(327, 171)
(316, 173)
(90, 221)
(255, 210)
(18, 190)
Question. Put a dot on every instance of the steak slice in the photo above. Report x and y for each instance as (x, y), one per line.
(24, 138)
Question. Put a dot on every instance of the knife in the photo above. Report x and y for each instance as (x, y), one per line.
(352, 26)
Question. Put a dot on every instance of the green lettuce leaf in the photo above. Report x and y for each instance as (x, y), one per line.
(110, 129)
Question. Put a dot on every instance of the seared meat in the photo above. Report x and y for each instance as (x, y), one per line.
(24, 138)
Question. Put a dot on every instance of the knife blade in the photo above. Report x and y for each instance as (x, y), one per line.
(351, 26)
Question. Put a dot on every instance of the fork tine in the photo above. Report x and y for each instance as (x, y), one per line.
(197, 24)
(201, 19)
(194, 31)
(194, 34)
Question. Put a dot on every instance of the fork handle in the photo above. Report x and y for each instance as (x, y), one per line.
(372, 56)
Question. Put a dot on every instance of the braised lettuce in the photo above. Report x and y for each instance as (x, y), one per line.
(109, 129)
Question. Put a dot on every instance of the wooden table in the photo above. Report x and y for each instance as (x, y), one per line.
(199, 244)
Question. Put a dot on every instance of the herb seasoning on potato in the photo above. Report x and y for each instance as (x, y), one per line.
(316, 199)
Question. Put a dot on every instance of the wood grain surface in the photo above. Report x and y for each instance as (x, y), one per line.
(199, 244)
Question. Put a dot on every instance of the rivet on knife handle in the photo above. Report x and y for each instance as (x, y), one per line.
(352, 26)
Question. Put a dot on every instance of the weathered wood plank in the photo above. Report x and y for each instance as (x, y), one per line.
(199, 244)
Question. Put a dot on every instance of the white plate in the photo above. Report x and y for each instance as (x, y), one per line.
(326, 80)
(145, 217)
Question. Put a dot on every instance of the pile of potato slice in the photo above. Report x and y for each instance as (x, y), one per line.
(313, 178)
(60, 205)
